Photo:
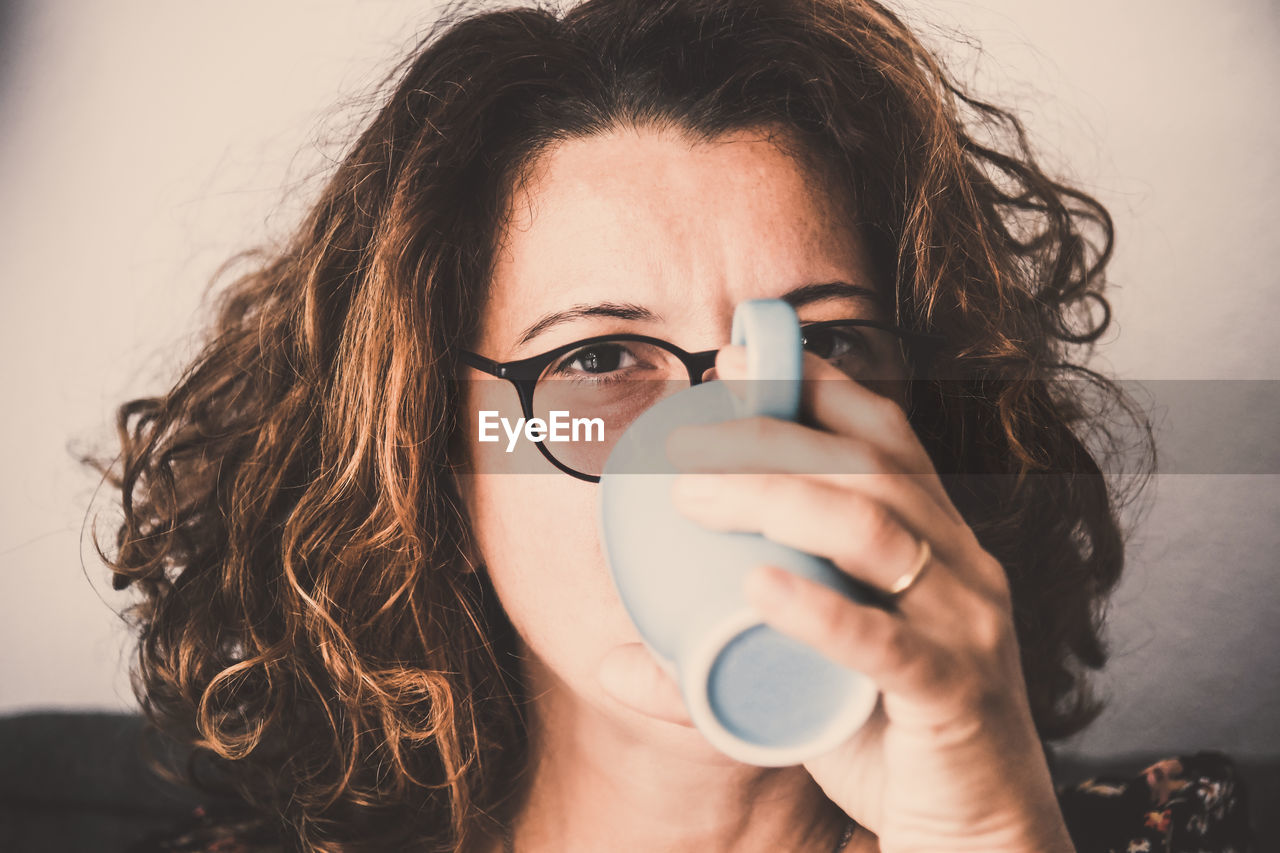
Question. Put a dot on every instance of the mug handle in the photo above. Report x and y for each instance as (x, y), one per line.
(771, 332)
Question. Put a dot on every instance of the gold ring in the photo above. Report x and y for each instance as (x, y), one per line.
(907, 579)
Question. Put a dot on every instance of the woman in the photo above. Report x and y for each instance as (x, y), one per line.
(381, 645)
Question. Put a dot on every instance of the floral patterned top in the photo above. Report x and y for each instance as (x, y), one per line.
(1184, 804)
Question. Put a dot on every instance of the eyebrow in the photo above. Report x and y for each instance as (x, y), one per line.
(806, 293)
(619, 310)
(796, 298)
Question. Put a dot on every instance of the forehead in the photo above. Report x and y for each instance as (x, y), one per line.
(682, 227)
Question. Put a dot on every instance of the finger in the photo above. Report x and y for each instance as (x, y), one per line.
(771, 446)
(838, 404)
(859, 534)
(766, 444)
(891, 651)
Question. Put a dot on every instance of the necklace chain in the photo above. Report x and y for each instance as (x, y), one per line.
(509, 844)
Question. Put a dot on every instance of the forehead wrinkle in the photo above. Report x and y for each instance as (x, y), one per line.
(785, 243)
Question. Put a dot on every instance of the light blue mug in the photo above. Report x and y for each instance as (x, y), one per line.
(757, 695)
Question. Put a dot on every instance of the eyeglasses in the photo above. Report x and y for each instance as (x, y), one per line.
(614, 378)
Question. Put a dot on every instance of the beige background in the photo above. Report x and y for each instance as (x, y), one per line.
(144, 142)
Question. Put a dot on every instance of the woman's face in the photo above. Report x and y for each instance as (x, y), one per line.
(635, 218)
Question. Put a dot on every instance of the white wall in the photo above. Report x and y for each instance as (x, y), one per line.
(146, 141)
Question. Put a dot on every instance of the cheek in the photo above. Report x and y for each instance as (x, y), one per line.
(538, 537)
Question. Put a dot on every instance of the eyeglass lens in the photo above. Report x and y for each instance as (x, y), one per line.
(615, 381)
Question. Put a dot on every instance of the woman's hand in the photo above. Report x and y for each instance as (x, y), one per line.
(950, 760)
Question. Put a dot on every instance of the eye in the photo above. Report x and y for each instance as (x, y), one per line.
(595, 360)
(836, 343)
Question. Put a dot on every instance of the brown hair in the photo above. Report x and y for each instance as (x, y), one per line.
(307, 616)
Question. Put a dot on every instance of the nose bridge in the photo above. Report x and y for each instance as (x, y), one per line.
(704, 323)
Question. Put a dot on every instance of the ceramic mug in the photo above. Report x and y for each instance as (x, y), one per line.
(756, 694)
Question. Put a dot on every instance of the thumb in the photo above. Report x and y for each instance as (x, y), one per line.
(630, 674)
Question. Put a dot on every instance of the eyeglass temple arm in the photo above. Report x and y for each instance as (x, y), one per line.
(479, 362)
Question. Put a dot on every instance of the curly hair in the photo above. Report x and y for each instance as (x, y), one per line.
(311, 617)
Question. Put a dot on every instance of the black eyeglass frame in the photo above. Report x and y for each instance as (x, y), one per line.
(524, 373)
